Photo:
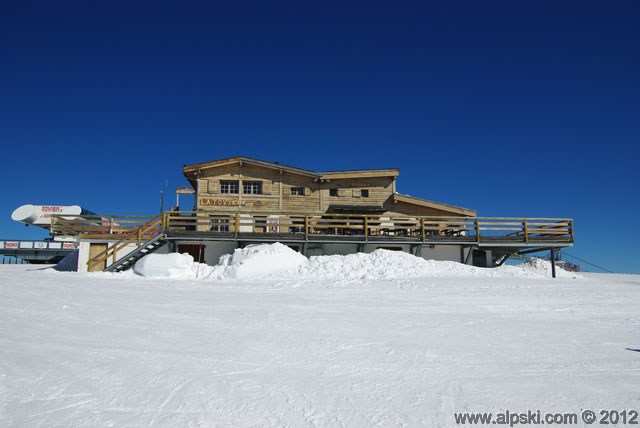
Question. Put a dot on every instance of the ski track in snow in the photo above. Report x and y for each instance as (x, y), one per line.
(88, 350)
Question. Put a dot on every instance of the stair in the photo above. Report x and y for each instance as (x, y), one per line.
(128, 261)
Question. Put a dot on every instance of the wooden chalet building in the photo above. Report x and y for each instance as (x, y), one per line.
(241, 201)
(256, 186)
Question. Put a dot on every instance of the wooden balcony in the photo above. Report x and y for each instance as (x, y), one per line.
(268, 227)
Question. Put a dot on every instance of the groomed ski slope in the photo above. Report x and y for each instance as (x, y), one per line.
(295, 349)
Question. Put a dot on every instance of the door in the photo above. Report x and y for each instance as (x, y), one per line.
(94, 250)
(479, 258)
(195, 251)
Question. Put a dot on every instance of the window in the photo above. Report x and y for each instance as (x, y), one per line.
(219, 225)
(252, 187)
(333, 192)
(229, 187)
(364, 193)
(299, 191)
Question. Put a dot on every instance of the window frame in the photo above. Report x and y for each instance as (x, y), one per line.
(255, 188)
(297, 191)
(219, 225)
(229, 185)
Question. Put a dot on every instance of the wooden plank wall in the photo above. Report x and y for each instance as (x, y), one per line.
(310, 202)
(380, 190)
(277, 196)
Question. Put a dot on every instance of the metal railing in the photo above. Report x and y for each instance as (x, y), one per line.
(21, 244)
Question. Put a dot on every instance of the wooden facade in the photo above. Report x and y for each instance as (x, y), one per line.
(251, 185)
(242, 201)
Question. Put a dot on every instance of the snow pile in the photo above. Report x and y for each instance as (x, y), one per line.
(281, 262)
(380, 264)
(257, 261)
(543, 268)
(385, 264)
(174, 266)
(251, 262)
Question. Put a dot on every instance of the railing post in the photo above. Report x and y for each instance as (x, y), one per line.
(111, 225)
(526, 230)
(366, 228)
(139, 236)
(422, 232)
(571, 229)
(236, 228)
(113, 256)
(477, 227)
(306, 227)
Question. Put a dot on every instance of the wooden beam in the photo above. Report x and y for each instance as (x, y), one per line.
(360, 174)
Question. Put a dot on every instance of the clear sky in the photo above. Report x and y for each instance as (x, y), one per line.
(510, 108)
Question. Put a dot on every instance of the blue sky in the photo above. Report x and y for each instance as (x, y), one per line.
(508, 108)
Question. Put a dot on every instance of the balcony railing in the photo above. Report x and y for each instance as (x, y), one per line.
(314, 226)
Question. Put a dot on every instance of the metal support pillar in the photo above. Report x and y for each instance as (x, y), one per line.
(553, 263)
(466, 260)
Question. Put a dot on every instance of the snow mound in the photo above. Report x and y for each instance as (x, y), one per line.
(257, 261)
(543, 268)
(385, 264)
(174, 266)
(277, 261)
(380, 264)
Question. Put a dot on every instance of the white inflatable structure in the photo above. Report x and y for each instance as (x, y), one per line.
(40, 215)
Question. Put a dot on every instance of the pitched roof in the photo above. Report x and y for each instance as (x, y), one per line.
(190, 171)
(431, 204)
(212, 164)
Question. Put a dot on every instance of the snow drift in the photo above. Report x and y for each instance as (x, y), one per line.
(174, 265)
(250, 262)
(257, 261)
(278, 260)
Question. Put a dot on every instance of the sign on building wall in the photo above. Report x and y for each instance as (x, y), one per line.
(211, 202)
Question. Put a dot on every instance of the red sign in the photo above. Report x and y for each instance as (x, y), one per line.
(11, 245)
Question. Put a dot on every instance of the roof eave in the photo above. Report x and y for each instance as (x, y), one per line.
(194, 168)
(436, 205)
(365, 173)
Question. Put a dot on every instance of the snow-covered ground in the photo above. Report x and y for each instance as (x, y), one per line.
(303, 348)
